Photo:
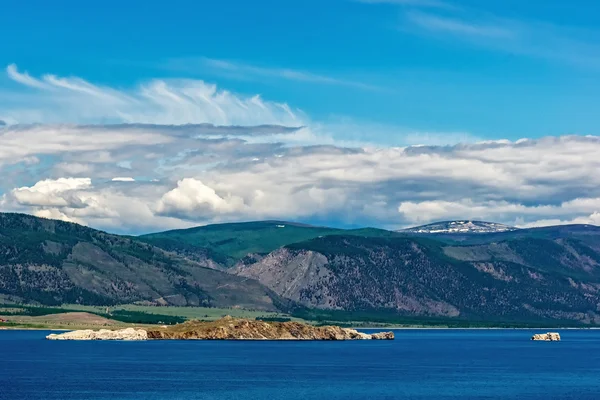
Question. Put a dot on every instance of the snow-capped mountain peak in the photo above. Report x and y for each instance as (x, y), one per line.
(461, 227)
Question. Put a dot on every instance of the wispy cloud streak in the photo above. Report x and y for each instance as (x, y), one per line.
(249, 71)
(457, 26)
(177, 101)
(411, 3)
(534, 39)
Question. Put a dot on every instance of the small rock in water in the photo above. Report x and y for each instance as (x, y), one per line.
(383, 336)
(547, 337)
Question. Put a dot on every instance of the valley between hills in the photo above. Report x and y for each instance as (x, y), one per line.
(455, 274)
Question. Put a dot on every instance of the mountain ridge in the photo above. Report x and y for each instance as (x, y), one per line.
(231, 242)
(545, 275)
(460, 226)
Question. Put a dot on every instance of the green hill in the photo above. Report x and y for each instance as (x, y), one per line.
(228, 243)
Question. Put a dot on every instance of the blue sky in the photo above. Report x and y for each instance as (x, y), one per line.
(139, 116)
(493, 69)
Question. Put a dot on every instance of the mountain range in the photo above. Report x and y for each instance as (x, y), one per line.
(453, 271)
(460, 227)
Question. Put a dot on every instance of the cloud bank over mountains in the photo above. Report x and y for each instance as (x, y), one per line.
(181, 153)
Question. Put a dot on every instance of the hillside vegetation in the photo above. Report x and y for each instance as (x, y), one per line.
(520, 280)
(229, 243)
(53, 262)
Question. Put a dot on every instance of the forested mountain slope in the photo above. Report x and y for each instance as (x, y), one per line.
(519, 280)
(54, 262)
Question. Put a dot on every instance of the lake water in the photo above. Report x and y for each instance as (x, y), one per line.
(419, 364)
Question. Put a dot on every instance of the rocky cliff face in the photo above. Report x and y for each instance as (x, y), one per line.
(348, 273)
(522, 280)
(228, 329)
(289, 273)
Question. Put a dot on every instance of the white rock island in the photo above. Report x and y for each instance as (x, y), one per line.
(547, 337)
(102, 334)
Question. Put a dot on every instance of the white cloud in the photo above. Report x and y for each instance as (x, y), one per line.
(528, 182)
(192, 198)
(201, 173)
(592, 219)
(176, 101)
(20, 142)
(54, 213)
(107, 206)
(577, 211)
(53, 100)
(52, 193)
(24, 78)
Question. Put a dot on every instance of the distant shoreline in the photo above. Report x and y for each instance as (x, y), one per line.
(480, 328)
(395, 328)
(85, 317)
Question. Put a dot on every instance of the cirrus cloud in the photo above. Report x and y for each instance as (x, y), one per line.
(175, 101)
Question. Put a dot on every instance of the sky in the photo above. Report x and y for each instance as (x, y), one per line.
(141, 116)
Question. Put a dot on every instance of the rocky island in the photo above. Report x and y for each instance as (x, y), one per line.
(102, 334)
(547, 337)
(227, 328)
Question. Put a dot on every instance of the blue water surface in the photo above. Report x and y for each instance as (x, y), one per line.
(419, 364)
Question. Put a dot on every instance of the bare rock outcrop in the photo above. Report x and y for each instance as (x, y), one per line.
(547, 337)
(290, 273)
(102, 334)
(383, 336)
(244, 329)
